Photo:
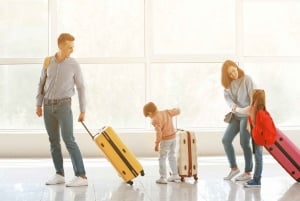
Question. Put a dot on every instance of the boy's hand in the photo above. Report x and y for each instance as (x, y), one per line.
(156, 147)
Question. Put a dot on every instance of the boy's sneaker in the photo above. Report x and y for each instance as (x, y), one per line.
(77, 181)
(56, 179)
(174, 178)
(243, 177)
(232, 174)
(252, 184)
(162, 180)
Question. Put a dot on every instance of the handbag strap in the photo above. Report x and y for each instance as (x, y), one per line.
(47, 61)
(234, 96)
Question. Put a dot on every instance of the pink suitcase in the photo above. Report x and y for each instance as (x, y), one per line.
(287, 154)
(187, 156)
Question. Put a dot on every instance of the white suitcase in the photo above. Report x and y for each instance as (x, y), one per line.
(187, 155)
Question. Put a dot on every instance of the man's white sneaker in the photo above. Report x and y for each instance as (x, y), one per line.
(56, 179)
(174, 178)
(77, 181)
(162, 180)
(243, 177)
(232, 174)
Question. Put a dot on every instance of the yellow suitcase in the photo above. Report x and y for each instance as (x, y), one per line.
(123, 160)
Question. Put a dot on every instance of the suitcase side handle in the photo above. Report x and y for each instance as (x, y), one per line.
(87, 130)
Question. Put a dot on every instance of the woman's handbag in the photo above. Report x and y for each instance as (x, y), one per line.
(228, 117)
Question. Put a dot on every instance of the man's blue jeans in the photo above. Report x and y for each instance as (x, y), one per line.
(238, 125)
(59, 119)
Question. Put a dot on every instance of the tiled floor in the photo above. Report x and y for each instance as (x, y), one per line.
(23, 180)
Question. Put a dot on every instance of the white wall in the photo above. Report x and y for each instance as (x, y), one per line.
(142, 144)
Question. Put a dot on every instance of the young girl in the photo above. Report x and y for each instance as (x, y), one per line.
(165, 140)
(263, 132)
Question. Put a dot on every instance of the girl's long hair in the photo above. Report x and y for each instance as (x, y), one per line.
(259, 99)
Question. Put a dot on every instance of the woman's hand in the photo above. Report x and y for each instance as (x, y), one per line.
(252, 113)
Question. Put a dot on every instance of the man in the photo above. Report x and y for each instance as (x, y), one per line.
(56, 87)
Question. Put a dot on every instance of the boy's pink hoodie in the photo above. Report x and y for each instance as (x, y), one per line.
(163, 124)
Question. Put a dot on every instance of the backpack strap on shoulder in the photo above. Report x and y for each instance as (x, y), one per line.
(47, 61)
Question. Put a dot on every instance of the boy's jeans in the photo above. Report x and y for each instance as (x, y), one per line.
(238, 125)
(60, 118)
(167, 150)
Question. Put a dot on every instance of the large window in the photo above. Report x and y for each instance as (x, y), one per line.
(195, 27)
(280, 81)
(115, 94)
(18, 87)
(23, 28)
(135, 51)
(272, 33)
(193, 87)
(105, 28)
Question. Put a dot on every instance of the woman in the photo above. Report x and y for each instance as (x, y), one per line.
(238, 89)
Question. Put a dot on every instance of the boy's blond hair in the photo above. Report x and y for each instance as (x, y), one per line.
(149, 108)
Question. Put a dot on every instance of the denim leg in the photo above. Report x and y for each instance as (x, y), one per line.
(245, 144)
(258, 162)
(163, 153)
(230, 133)
(52, 127)
(172, 157)
(65, 117)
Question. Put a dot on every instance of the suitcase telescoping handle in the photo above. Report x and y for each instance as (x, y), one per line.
(176, 128)
(87, 130)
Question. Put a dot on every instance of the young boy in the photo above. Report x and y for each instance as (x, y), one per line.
(165, 140)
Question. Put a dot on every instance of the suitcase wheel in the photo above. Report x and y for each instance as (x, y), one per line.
(195, 177)
(130, 182)
(182, 179)
(142, 173)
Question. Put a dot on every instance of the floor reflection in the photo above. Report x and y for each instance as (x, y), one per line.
(22, 180)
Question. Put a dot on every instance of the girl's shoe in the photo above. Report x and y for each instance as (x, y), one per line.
(252, 184)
